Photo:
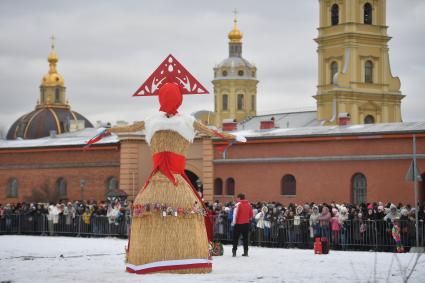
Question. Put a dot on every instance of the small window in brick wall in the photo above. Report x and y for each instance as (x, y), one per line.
(61, 188)
(12, 188)
(230, 186)
(218, 187)
(288, 185)
(112, 184)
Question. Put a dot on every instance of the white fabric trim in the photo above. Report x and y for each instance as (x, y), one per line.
(180, 123)
(167, 263)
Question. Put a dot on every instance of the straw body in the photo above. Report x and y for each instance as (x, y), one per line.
(156, 238)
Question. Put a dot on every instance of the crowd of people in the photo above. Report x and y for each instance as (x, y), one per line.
(82, 217)
(362, 226)
(273, 224)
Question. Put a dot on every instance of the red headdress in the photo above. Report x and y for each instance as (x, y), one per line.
(170, 71)
(170, 98)
(170, 81)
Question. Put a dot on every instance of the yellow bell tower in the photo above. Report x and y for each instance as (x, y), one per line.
(235, 83)
(354, 76)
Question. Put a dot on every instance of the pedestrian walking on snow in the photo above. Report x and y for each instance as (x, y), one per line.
(242, 216)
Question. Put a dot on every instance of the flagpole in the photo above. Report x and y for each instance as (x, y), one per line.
(415, 188)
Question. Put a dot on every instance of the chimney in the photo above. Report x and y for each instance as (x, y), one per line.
(344, 119)
(267, 124)
(229, 125)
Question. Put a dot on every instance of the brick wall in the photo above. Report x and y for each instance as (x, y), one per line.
(322, 180)
(38, 169)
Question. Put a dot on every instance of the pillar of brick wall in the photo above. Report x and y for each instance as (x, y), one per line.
(208, 169)
(129, 165)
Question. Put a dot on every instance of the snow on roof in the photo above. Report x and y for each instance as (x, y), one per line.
(66, 139)
(282, 120)
(81, 137)
(363, 129)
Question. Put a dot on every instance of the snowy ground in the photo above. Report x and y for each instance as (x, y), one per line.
(66, 259)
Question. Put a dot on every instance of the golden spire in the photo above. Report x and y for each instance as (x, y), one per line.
(235, 35)
(53, 78)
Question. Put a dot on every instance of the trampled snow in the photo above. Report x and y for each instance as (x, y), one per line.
(67, 259)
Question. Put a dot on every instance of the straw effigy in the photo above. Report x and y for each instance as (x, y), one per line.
(158, 235)
(156, 238)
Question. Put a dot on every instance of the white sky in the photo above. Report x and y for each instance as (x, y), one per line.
(107, 49)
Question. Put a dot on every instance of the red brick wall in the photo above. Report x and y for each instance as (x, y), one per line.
(33, 170)
(323, 181)
(316, 181)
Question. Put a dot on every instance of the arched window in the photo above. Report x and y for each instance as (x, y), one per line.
(334, 70)
(225, 101)
(368, 72)
(334, 14)
(369, 119)
(252, 102)
(240, 73)
(12, 188)
(218, 187)
(61, 188)
(359, 188)
(240, 102)
(367, 14)
(288, 186)
(230, 186)
(111, 184)
(57, 95)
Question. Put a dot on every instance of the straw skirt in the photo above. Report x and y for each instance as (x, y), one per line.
(168, 244)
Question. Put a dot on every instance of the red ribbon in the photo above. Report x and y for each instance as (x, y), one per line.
(97, 138)
(169, 163)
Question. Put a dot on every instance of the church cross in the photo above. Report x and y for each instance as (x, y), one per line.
(53, 41)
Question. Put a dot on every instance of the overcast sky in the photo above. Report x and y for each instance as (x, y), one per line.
(107, 49)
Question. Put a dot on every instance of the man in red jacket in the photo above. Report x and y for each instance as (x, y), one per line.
(242, 215)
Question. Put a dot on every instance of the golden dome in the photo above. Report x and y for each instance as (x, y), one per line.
(235, 35)
(53, 78)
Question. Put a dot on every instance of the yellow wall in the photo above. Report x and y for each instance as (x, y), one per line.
(233, 87)
(351, 43)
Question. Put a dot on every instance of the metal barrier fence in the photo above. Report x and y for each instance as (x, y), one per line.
(353, 234)
(357, 235)
(63, 225)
